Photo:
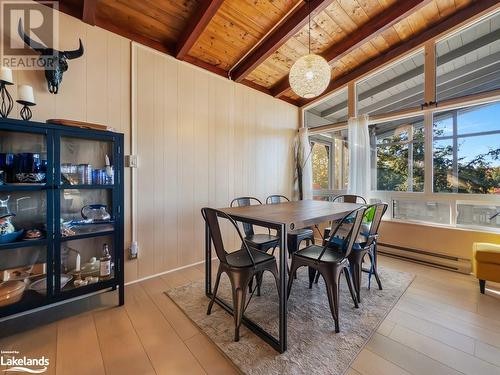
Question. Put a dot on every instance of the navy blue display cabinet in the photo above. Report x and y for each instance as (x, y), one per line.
(61, 214)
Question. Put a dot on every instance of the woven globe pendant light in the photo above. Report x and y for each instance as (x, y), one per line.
(310, 74)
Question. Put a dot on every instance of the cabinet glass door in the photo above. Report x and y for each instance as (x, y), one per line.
(25, 209)
(86, 209)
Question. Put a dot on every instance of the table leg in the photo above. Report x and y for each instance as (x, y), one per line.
(283, 292)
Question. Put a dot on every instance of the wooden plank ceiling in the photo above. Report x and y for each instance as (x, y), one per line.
(255, 42)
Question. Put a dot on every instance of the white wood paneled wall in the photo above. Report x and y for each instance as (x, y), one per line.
(96, 88)
(201, 140)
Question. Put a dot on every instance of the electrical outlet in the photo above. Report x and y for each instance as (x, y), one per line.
(131, 161)
(134, 250)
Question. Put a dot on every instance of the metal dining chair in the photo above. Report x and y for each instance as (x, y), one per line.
(240, 266)
(342, 198)
(260, 241)
(331, 260)
(367, 245)
(349, 198)
(294, 237)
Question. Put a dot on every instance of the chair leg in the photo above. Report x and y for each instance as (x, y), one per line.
(214, 293)
(293, 269)
(316, 280)
(482, 286)
(273, 250)
(375, 268)
(239, 297)
(292, 244)
(312, 273)
(332, 290)
(239, 284)
(356, 277)
(274, 270)
(258, 277)
(297, 248)
(348, 278)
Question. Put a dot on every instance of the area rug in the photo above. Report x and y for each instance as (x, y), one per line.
(313, 345)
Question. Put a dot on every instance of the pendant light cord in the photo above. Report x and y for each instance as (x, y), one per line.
(309, 25)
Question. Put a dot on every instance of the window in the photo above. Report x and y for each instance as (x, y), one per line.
(330, 160)
(438, 163)
(397, 149)
(320, 158)
(478, 214)
(401, 86)
(468, 62)
(341, 160)
(331, 111)
(467, 150)
(416, 210)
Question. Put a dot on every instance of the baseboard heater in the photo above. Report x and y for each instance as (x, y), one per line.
(428, 258)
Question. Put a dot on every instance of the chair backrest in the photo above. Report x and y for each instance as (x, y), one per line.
(379, 211)
(352, 221)
(348, 198)
(243, 202)
(211, 217)
(275, 199)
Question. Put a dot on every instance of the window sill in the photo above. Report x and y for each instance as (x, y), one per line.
(444, 226)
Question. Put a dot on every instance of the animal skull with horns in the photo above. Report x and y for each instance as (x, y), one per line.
(54, 61)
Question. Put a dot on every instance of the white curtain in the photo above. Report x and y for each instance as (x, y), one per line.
(359, 157)
(303, 165)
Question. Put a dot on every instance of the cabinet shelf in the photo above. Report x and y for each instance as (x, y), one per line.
(22, 187)
(70, 291)
(21, 244)
(69, 187)
(30, 300)
(88, 235)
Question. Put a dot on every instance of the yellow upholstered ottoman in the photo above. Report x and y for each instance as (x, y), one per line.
(486, 263)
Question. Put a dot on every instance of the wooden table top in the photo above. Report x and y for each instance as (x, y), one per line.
(294, 215)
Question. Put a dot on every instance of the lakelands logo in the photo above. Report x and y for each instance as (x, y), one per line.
(16, 363)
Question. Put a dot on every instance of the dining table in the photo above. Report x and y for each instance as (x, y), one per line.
(282, 217)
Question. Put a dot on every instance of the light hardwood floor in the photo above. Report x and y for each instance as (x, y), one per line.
(442, 325)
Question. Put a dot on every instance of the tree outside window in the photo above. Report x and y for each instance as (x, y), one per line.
(320, 158)
(398, 155)
(467, 150)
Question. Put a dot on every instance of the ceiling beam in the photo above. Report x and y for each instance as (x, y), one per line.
(89, 11)
(195, 26)
(430, 33)
(373, 27)
(288, 28)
